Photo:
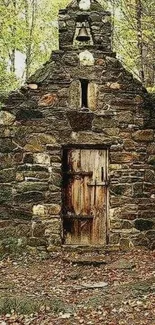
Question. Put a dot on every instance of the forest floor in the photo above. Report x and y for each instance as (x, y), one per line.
(69, 288)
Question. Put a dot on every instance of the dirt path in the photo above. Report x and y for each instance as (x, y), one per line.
(118, 289)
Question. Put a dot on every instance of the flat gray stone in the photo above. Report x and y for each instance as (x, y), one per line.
(88, 260)
(96, 285)
(121, 264)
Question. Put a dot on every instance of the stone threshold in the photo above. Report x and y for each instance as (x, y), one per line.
(90, 248)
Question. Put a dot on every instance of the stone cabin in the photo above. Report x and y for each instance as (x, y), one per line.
(77, 146)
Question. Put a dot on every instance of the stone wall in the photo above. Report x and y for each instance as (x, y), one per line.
(44, 116)
(97, 20)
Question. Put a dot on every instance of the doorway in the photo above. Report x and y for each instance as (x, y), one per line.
(85, 187)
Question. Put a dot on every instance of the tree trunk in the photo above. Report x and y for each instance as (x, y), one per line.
(139, 13)
(30, 23)
(13, 34)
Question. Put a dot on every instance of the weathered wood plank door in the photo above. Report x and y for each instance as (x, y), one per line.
(85, 197)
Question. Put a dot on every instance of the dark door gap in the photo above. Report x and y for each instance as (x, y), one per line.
(84, 89)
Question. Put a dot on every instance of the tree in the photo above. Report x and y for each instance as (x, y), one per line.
(28, 27)
(135, 38)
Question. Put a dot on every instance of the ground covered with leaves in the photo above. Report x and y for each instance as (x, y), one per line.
(115, 288)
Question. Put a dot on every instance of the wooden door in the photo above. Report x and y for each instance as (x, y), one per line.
(85, 196)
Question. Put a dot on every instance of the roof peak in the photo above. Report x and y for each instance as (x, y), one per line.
(85, 5)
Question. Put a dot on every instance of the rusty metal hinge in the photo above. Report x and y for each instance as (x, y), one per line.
(79, 216)
(105, 183)
(80, 173)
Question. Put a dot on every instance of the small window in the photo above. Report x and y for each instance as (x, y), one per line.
(84, 89)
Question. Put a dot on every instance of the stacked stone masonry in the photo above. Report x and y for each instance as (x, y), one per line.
(45, 115)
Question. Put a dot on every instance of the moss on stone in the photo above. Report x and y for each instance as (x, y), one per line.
(151, 160)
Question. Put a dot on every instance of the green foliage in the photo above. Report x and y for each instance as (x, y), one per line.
(8, 79)
(28, 27)
(132, 28)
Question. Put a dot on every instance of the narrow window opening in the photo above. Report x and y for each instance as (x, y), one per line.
(84, 88)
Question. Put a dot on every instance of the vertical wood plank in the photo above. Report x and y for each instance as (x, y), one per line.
(92, 96)
(87, 200)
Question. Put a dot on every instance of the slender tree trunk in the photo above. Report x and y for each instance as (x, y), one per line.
(140, 38)
(30, 24)
(113, 21)
(13, 34)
